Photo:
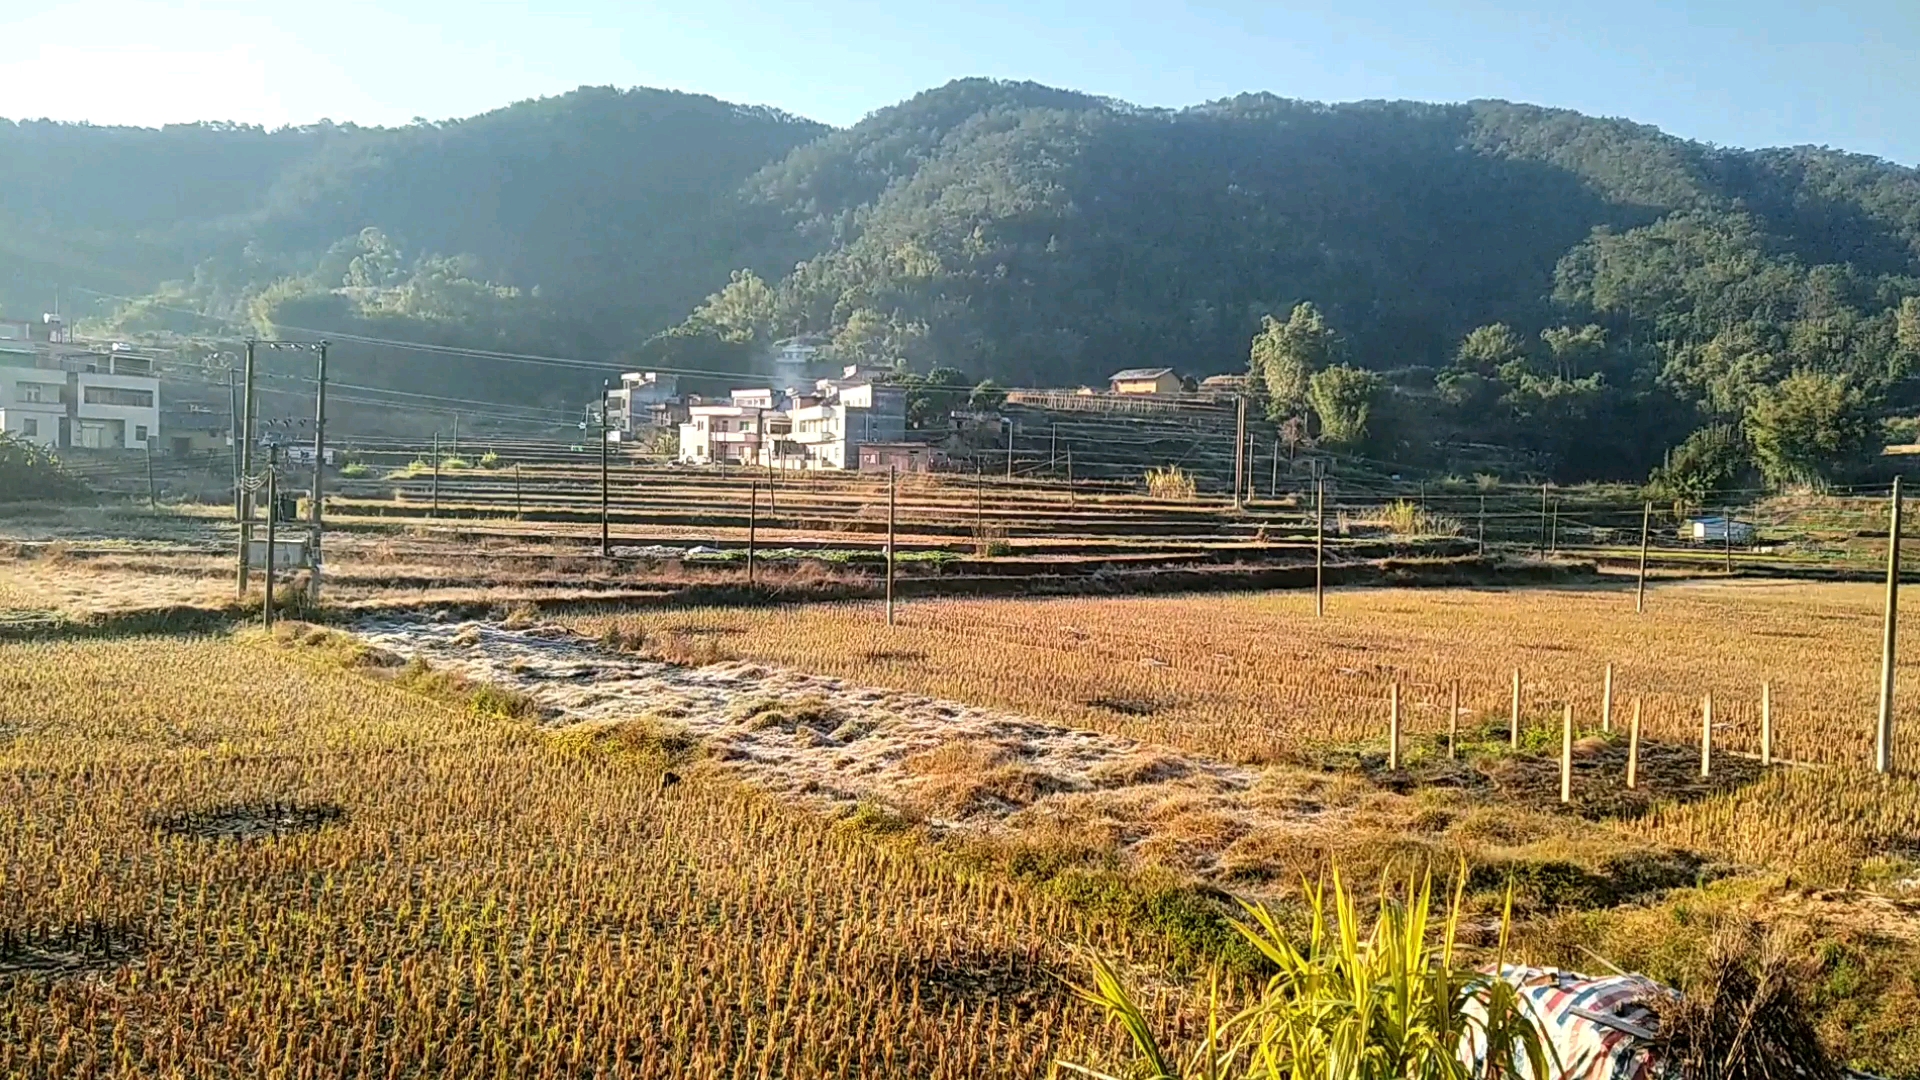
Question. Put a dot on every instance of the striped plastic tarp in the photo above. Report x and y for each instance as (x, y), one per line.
(1596, 1028)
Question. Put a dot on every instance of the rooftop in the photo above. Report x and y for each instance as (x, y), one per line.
(1142, 373)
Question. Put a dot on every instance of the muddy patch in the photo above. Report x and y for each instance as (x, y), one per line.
(1125, 706)
(250, 821)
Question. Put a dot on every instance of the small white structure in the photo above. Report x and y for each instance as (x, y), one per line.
(794, 353)
(1719, 530)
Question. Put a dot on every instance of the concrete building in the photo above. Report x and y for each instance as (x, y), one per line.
(61, 396)
(633, 404)
(1146, 381)
(821, 428)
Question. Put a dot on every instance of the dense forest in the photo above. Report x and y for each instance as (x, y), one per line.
(1602, 299)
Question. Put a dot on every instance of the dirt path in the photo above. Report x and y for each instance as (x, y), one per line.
(835, 745)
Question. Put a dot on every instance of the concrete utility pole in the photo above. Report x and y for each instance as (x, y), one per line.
(1543, 519)
(1319, 545)
(1239, 447)
(606, 546)
(319, 465)
(152, 502)
(273, 500)
(1009, 448)
(233, 438)
(1646, 529)
(1883, 741)
(435, 512)
(1483, 526)
(244, 498)
(753, 515)
(890, 487)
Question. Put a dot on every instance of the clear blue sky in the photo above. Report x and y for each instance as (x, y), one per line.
(1738, 72)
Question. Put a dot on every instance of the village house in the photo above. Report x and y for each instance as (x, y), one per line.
(1146, 381)
(819, 428)
(59, 395)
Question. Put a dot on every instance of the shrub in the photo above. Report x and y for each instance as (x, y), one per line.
(1405, 518)
(1383, 1005)
(30, 473)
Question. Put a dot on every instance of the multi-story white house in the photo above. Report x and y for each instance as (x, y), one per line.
(60, 396)
(822, 428)
(629, 405)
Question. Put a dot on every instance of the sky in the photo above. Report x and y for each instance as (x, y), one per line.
(1843, 73)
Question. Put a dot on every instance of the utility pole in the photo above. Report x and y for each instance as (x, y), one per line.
(1053, 451)
(606, 547)
(1239, 447)
(436, 476)
(233, 438)
(1883, 742)
(273, 500)
(1726, 517)
(1070, 496)
(753, 513)
(1319, 543)
(1273, 480)
(152, 502)
(319, 464)
(244, 501)
(1009, 448)
(1543, 519)
(890, 486)
(1483, 526)
(1646, 528)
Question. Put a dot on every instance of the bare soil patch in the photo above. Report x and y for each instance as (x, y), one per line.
(251, 821)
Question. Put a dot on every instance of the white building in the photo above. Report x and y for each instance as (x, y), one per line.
(792, 354)
(629, 405)
(62, 397)
(823, 428)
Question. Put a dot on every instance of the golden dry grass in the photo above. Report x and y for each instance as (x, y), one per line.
(485, 903)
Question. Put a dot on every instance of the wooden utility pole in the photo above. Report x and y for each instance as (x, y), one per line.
(1393, 728)
(1566, 753)
(273, 515)
(319, 463)
(244, 497)
(1633, 748)
(1606, 702)
(1319, 547)
(890, 504)
(1883, 740)
(153, 502)
(1273, 478)
(1009, 448)
(1513, 720)
(1483, 526)
(1239, 447)
(1640, 591)
(435, 512)
(606, 540)
(516, 490)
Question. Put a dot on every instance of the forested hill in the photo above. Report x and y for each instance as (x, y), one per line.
(1587, 291)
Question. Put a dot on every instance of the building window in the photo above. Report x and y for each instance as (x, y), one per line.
(30, 428)
(139, 433)
(33, 393)
(116, 395)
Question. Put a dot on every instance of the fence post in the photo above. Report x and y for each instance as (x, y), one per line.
(1606, 701)
(890, 484)
(1453, 719)
(1566, 753)
(1766, 724)
(1706, 734)
(1393, 728)
(753, 525)
(1513, 733)
(1633, 748)
(1319, 547)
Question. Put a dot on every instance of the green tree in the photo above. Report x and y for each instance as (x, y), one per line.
(1487, 350)
(1342, 399)
(1810, 428)
(1575, 353)
(742, 311)
(1907, 325)
(1285, 356)
(1700, 471)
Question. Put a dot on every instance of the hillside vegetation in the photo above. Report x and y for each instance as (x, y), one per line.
(1590, 293)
